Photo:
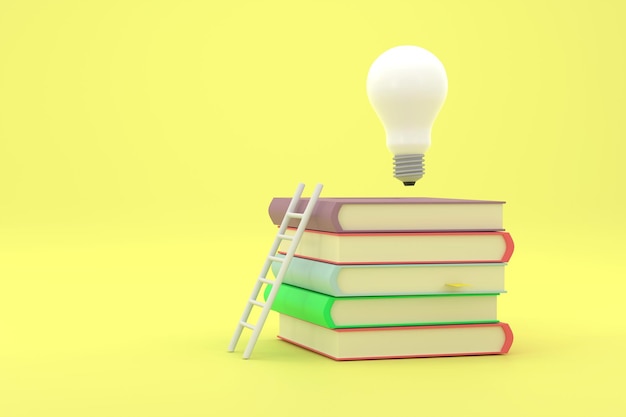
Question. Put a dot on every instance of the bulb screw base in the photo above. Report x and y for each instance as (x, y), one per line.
(408, 168)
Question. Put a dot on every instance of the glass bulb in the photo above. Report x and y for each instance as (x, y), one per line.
(407, 86)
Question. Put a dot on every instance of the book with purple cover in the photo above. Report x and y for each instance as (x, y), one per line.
(343, 215)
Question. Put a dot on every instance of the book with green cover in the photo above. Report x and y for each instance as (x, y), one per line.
(407, 310)
(393, 279)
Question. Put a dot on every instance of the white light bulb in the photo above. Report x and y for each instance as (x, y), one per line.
(407, 86)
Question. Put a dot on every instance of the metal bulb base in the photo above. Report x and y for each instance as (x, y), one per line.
(408, 168)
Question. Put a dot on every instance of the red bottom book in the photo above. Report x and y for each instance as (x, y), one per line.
(397, 342)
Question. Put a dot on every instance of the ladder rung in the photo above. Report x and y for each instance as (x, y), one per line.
(257, 303)
(248, 325)
(276, 259)
(265, 280)
(285, 237)
(294, 215)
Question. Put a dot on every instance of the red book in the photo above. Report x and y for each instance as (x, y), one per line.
(397, 342)
(342, 215)
(403, 248)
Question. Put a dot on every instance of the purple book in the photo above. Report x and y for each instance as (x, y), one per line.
(419, 214)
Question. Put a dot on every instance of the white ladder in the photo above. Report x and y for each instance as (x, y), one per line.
(271, 257)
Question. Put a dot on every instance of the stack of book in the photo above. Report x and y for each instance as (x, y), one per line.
(380, 278)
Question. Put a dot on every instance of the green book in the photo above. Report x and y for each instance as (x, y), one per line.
(376, 311)
(393, 279)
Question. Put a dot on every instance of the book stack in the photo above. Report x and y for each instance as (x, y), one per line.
(377, 278)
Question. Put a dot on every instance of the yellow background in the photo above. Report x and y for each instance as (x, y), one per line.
(141, 142)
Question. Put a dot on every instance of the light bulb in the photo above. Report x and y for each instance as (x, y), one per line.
(407, 86)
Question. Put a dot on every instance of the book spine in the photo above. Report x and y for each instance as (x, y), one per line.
(304, 305)
(325, 215)
(510, 246)
(508, 337)
(315, 276)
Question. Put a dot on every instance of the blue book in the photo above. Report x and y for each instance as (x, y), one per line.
(393, 279)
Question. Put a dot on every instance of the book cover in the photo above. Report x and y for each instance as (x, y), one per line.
(403, 247)
(408, 310)
(340, 215)
(393, 279)
(397, 342)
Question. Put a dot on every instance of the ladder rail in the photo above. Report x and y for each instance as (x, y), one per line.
(261, 280)
(266, 266)
(283, 269)
(283, 225)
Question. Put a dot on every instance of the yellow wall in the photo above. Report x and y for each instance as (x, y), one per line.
(185, 116)
(141, 141)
